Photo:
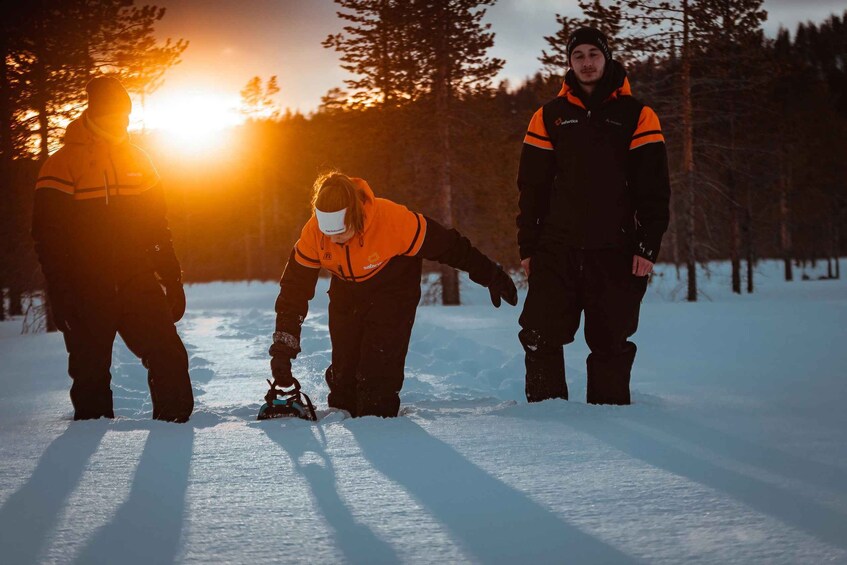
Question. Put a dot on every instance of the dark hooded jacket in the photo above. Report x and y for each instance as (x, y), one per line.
(99, 215)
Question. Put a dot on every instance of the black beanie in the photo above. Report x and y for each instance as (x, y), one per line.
(590, 36)
(106, 95)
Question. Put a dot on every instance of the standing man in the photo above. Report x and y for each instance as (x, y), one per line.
(105, 249)
(594, 195)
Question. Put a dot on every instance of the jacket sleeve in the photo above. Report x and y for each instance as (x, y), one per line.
(160, 248)
(535, 182)
(449, 247)
(51, 217)
(649, 179)
(296, 289)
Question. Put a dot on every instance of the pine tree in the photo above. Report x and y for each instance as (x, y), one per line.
(430, 51)
(453, 44)
(733, 69)
(376, 48)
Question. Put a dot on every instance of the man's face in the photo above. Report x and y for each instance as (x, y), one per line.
(588, 63)
(114, 124)
(343, 238)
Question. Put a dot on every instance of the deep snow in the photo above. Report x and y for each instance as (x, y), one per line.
(733, 452)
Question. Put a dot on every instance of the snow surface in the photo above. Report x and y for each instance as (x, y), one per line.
(733, 452)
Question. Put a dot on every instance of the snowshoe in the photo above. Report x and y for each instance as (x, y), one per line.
(287, 403)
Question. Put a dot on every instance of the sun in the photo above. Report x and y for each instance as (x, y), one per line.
(194, 121)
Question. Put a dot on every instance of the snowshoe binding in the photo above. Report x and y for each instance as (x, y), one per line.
(287, 402)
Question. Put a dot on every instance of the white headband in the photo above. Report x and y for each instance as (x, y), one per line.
(332, 223)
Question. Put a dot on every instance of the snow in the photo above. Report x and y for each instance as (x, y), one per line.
(734, 450)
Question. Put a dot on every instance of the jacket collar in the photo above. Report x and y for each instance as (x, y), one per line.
(83, 131)
(613, 85)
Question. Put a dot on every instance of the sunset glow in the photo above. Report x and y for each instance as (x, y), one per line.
(191, 118)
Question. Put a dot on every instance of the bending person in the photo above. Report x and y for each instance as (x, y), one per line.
(374, 250)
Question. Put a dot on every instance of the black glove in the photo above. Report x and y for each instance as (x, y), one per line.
(284, 348)
(176, 299)
(281, 371)
(502, 286)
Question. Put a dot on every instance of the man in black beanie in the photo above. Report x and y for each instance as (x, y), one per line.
(594, 195)
(105, 249)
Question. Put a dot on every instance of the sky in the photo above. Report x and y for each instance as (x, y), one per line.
(232, 41)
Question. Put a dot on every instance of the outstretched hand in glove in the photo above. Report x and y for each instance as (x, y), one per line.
(502, 286)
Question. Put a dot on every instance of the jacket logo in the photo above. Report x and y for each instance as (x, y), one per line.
(372, 266)
(561, 122)
(328, 256)
(613, 122)
(373, 257)
(133, 174)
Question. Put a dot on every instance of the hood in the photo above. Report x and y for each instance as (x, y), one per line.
(368, 199)
(76, 133)
(613, 85)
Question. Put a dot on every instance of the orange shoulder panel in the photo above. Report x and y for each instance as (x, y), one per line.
(406, 229)
(536, 133)
(305, 250)
(648, 130)
(56, 174)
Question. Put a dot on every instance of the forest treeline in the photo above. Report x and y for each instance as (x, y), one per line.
(756, 130)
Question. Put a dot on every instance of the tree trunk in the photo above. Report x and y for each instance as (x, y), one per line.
(688, 158)
(248, 258)
(749, 249)
(449, 277)
(6, 149)
(674, 241)
(836, 246)
(41, 96)
(734, 227)
(50, 322)
(784, 228)
(16, 307)
(263, 240)
(732, 189)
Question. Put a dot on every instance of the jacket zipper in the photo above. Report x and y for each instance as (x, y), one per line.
(106, 184)
(349, 263)
(341, 270)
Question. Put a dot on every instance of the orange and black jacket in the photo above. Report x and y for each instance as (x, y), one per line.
(99, 214)
(384, 258)
(593, 172)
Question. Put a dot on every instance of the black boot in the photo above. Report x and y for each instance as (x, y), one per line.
(545, 368)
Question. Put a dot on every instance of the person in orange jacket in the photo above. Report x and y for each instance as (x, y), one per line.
(103, 242)
(373, 248)
(594, 205)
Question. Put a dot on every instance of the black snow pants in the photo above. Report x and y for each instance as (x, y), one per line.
(563, 283)
(137, 310)
(370, 332)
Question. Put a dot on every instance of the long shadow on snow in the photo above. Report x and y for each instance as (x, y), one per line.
(610, 427)
(147, 527)
(355, 540)
(491, 520)
(767, 458)
(30, 514)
